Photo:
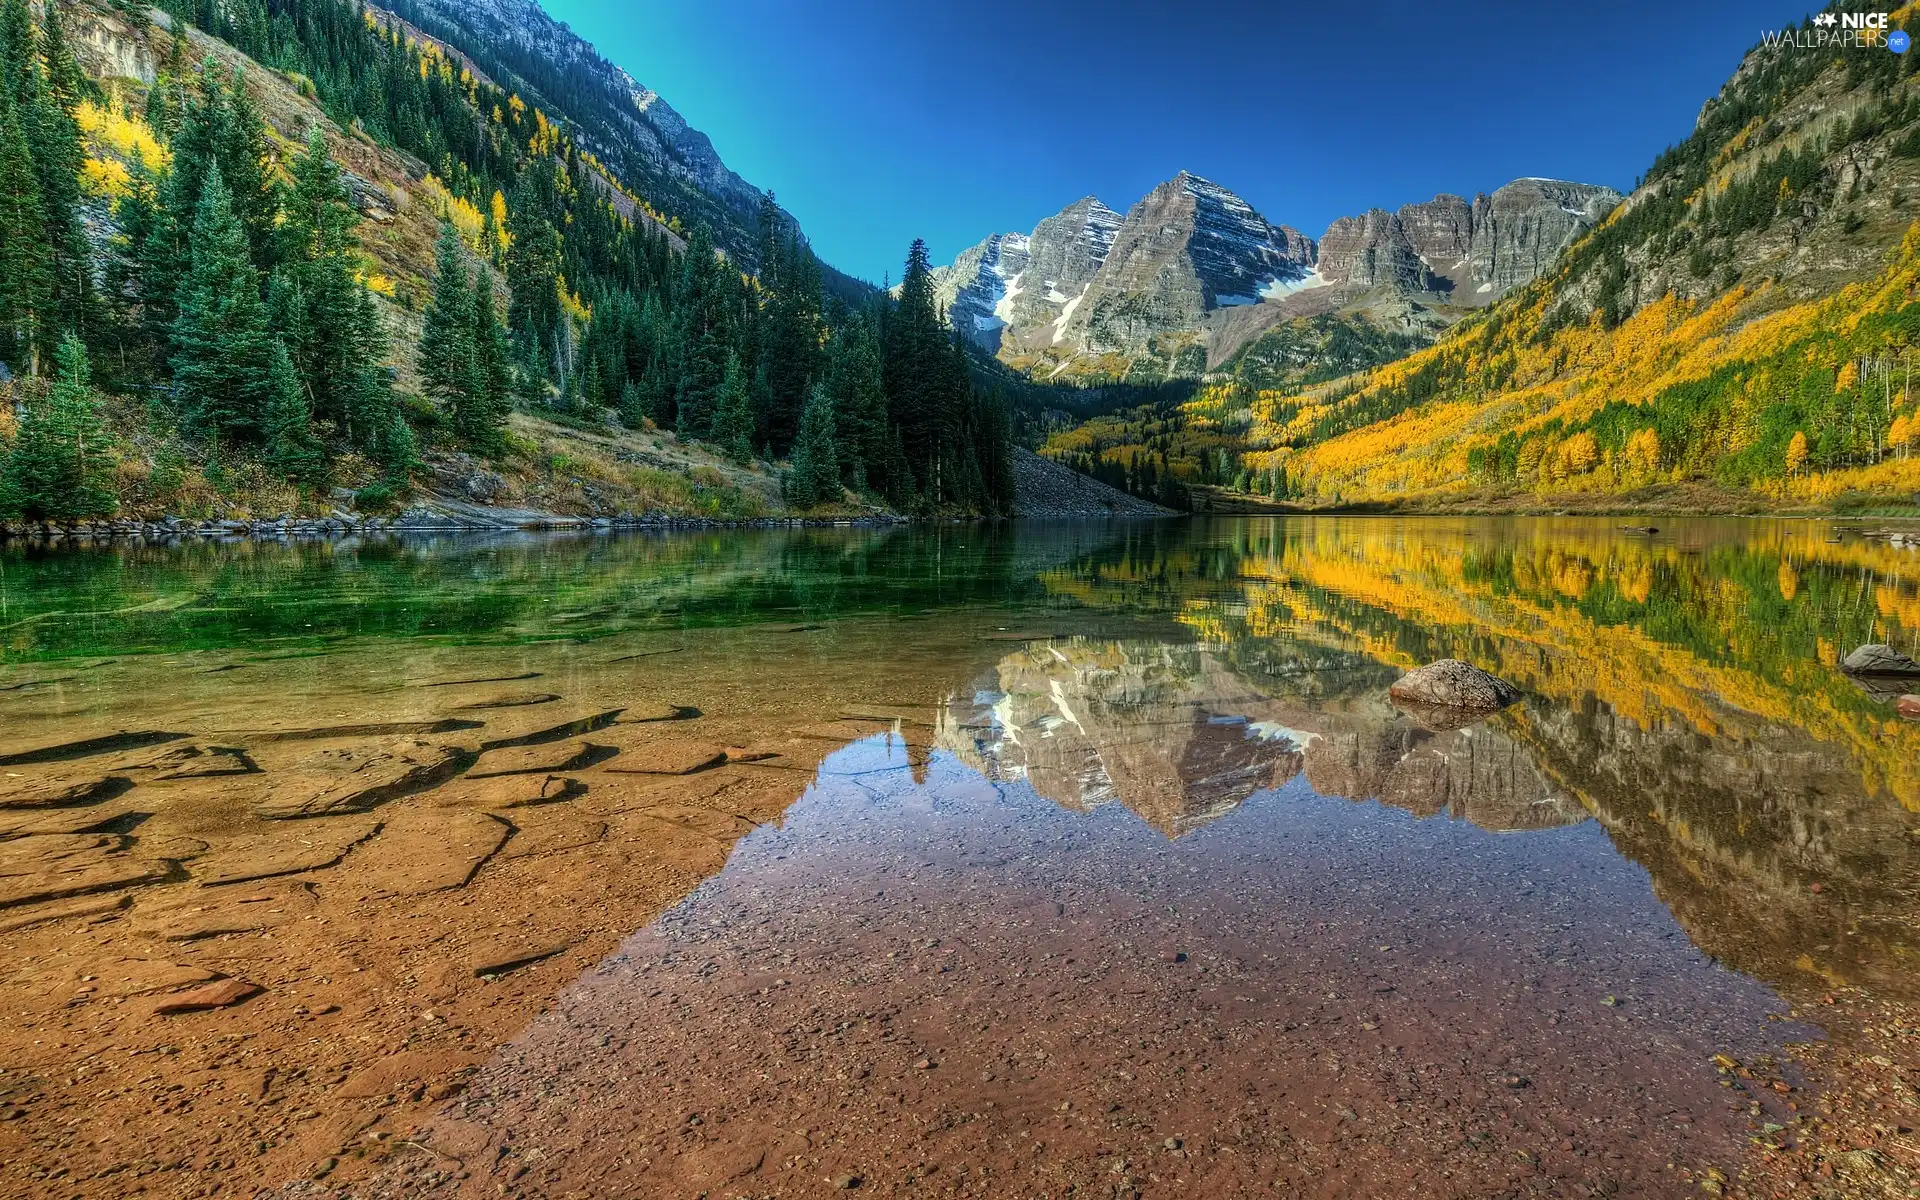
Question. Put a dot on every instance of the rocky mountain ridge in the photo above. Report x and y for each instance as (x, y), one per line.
(628, 125)
(1193, 272)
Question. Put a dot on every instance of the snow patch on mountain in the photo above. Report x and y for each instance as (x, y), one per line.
(1280, 287)
(1066, 314)
(1003, 307)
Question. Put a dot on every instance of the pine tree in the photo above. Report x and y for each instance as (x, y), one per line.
(702, 336)
(53, 141)
(241, 146)
(733, 421)
(66, 82)
(370, 409)
(287, 423)
(533, 269)
(315, 293)
(195, 146)
(222, 346)
(634, 410)
(396, 449)
(790, 338)
(860, 404)
(61, 465)
(915, 371)
(18, 54)
(815, 475)
(700, 384)
(530, 375)
(482, 420)
(447, 349)
(992, 442)
(141, 347)
(26, 290)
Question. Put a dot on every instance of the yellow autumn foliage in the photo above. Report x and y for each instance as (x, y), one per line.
(459, 212)
(111, 140)
(1549, 387)
(105, 177)
(1354, 582)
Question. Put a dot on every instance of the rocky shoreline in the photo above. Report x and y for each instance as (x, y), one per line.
(417, 520)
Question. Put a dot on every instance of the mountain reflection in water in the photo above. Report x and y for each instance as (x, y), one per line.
(1176, 735)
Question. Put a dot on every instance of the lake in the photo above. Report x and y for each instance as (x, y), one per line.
(961, 860)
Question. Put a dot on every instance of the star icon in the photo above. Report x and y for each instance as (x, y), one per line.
(1825, 18)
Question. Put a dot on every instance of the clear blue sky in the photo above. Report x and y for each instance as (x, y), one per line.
(878, 121)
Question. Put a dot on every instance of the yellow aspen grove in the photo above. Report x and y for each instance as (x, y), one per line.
(1643, 451)
(500, 234)
(1797, 453)
(1849, 377)
(1581, 452)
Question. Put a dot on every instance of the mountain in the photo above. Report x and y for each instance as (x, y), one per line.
(1194, 276)
(1736, 334)
(627, 125)
(985, 290)
(1742, 324)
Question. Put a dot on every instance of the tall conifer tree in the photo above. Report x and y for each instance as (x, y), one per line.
(61, 464)
(26, 290)
(733, 419)
(815, 474)
(222, 346)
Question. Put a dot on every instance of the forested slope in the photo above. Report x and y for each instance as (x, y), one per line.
(1745, 320)
(263, 250)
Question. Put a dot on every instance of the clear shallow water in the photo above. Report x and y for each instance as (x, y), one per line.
(1140, 836)
(938, 987)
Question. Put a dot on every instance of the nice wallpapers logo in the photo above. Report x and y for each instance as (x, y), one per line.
(1841, 31)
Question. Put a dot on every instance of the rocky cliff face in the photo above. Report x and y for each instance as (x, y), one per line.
(1018, 286)
(1440, 230)
(1372, 251)
(1520, 229)
(1471, 254)
(1067, 251)
(1194, 273)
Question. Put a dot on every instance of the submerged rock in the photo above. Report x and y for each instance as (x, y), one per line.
(1454, 684)
(224, 994)
(1879, 660)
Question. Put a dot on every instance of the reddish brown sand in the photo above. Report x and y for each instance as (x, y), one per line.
(392, 948)
(929, 989)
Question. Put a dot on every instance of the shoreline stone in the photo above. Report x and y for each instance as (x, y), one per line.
(414, 521)
(1879, 659)
(1450, 683)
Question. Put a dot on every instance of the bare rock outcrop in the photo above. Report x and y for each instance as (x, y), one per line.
(1372, 251)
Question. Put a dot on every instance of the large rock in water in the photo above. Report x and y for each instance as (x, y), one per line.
(1454, 684)
(1879, 660)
